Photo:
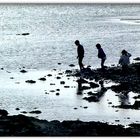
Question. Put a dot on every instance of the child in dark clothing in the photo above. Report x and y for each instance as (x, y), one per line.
(101, 55)
(80, 52)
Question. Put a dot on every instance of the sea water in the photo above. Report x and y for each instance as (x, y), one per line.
(52, 29)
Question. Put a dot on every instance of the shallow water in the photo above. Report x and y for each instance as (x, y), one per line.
(52, 31)
(16, 93)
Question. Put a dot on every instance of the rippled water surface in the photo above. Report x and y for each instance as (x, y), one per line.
(52, 29)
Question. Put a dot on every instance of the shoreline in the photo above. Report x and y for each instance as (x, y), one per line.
(20, 125)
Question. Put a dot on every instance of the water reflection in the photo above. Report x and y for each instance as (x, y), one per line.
(79, 88)
(124, 98)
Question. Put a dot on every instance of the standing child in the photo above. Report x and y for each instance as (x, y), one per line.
(80, 53)
(124, 61)
(101, 55)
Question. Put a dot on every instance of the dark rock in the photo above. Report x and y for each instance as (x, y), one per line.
(85, 107)
(30, 81)
(137, 97)
(36, 112)
(109, 102)
(57, 89)
(3, 112)
(117, 120)
(52, 90)
(2, 68)
(11, 77)
(68, 71)
(92, 99)
(93, 85)
(75, 108)
(81, 81)
(90, 93)
(136, 104)
(58, 77)
(72, 65)
(24, 112)
(85, 87)
(137, 59)
(42, 79)
(57, 94)
(23, 71)
(52, 83)
(66, 86)
(17, 109)
(60, 73)
(25, 34)
(49, 75)
(46, 93)
(62, 82)
(59, 63)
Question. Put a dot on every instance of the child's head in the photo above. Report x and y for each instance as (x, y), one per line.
(98, 46)
(77, 42)
(124, 52)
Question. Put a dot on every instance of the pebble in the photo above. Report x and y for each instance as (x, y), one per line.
(57, 94)
(30, 81)
(62, 82)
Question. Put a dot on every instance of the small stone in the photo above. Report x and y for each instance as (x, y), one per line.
(60, 73)
(17, 109)
(85, 107)
(49, 75)
(46, 93)
(35, 112)
(52, 84)
(23, 71)
(109, 102)
(57, 89)
(72, 65)
(42, 79)
(57, 94)
(2, 68)
(52, 90)
(137, 59)
(68, 71)
(128, 117)
(58, 77)
(25, 34)
(11, 77)
(75, 108)
(59, 63)
(62, 82)
(66, 86)
(24, 112)
(30, 81)
(117, 120)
